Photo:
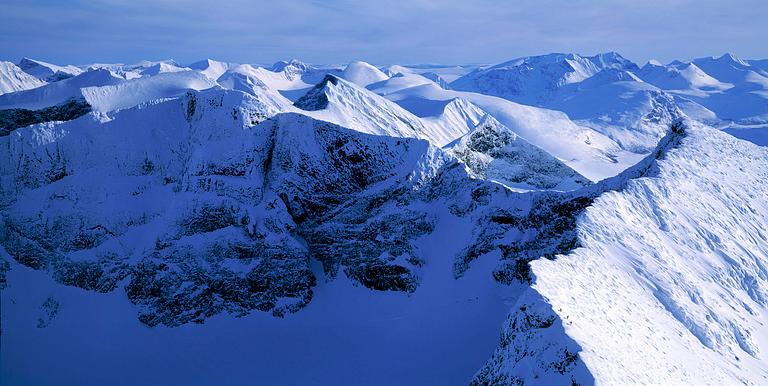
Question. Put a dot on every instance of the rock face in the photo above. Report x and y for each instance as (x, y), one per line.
(234, 210)
(217, 210)
(534, 349)
(491, 151)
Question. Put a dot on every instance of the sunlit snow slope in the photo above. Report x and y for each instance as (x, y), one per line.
(670, 284)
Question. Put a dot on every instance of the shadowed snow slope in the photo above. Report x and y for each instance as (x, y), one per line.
(670, 284)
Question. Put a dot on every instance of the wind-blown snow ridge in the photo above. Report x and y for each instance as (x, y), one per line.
(652, 296)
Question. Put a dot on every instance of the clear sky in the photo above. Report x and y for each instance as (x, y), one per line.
(381, 32)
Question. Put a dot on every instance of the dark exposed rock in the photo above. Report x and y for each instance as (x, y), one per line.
(49, 310)
(383, 277)
(315, 99)
(534, 345)
(13, 119)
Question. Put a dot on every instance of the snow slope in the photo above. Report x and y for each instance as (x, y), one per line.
(136, 91)
(620, 105)
(669, 284)
(46, 71)
(493, 152)
(58, 92)
(589, 152)
(13, 79)
(362, 74)
(531, 80)
(161, 68)
(211, 68)
(106, 92)
(601, 92)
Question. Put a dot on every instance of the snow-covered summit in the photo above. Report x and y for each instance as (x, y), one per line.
(492, 151)
(680, 77)
(363, 74)
(211, 68)
(162, 67)
(13, 78)
(46, 71)
(347, 104)
(292, 69)
(531, 79)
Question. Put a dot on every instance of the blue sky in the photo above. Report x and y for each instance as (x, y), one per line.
(381, 32)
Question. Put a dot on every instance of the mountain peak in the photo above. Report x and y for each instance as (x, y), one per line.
(731, 58)
(47, 71)
(293, 64)
(363, 74)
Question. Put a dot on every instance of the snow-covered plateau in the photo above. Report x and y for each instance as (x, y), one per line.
(555, 219)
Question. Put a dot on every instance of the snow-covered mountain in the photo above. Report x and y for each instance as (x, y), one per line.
(492, 151)
(584, 149)
(211, 68)
(46, 71)
(723, 90)
(339, 101)
(160, 68)
(13, 78)
(669, 285)
(381, 213)
(531, 80)
(362, 74)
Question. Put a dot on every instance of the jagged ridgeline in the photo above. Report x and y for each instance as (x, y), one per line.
(215, 215)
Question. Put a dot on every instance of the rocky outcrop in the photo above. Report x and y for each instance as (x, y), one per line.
(12, 119)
